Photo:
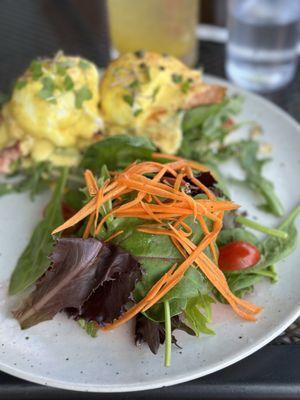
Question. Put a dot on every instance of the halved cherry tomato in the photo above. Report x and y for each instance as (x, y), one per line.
(238, 255)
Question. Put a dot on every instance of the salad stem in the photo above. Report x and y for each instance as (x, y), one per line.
(71, 177)
(168, 334)
(261, 228)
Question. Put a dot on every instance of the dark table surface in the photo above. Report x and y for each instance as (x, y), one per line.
(31, 28)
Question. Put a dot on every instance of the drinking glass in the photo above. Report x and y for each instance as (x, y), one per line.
(262, 46)
(165, 26)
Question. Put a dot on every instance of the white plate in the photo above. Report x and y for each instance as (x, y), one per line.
(60, 354)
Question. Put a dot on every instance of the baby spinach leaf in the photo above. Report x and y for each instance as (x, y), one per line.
(157, 254)
(34, 261)
(117, 152)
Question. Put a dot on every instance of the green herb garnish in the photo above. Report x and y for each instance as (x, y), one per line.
(20, 84)
(128, 99)
(155, 93)
(146, 71)
(134, 84)
(185, 86)
(81, 95)
(36, 70)
(84, 64)
(68, 83)
(137, 112)
(47, 91)
(176, 78)
(61, 69)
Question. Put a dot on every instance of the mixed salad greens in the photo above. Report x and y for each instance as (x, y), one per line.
(107, 264)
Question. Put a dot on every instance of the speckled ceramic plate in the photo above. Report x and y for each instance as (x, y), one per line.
(59, 353)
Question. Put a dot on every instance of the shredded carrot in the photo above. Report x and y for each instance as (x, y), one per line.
(91, 182)
(88, 227)
(145, 190)
(114, 235)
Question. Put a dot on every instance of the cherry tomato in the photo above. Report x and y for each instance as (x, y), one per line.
(238, 255)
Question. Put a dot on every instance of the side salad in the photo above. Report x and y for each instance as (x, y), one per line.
(156, 240)
(131, 233)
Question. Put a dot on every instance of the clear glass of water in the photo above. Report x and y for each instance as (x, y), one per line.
(263, 40)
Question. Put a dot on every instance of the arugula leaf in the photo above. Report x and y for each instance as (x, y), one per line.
(117, 152)
(247, 152)
(33, 180)
(207, 123)
(243, 283)
(197, 319)
(34, 260)
(274, 249)
(81, 269)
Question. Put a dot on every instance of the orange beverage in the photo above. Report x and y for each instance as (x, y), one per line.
(165, 26)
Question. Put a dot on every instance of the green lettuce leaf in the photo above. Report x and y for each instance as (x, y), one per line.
(198, 314)
(117, 152)
(34, 260)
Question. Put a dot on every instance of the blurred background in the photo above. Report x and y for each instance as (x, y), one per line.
(257, 40)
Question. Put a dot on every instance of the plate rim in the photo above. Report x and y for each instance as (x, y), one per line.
(184, 377)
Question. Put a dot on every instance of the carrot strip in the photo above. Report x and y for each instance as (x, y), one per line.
(79, 216)
(114, 235)
(88, 227)
(91, 182)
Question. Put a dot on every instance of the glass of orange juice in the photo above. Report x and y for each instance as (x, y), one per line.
(165, 26)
